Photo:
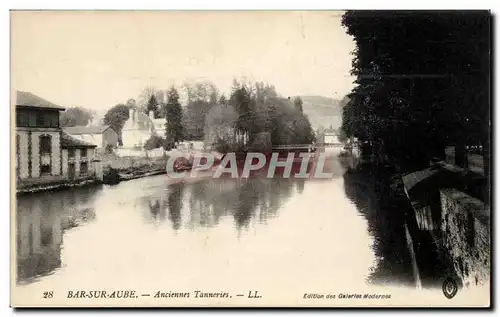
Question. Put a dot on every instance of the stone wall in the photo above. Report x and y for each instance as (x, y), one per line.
(24, 156)
(65, 162)
(465, 228)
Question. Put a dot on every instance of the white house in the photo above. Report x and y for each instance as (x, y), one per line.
(139, 128)
(331, 136)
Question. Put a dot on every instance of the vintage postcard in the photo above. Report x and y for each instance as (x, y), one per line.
(250, 159)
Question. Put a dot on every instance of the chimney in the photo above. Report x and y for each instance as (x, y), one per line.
(131, 114)
(151, 114)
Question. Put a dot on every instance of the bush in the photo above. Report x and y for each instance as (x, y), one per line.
(262, 142)
(222, 146)
(154, 142)
(111, 176)
(109, 149)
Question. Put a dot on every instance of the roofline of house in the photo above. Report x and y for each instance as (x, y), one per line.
(58, 108)
(78, 132)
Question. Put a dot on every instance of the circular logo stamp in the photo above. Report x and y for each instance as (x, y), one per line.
(450, 288)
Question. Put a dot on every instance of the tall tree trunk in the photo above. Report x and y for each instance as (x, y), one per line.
(460, 154)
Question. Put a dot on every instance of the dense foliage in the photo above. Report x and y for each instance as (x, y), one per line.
(75, 116)
(201, 97)
(422, 83)
(116, 118)
(255, 117)
(153, 106)
(154, 142)
(174, 129)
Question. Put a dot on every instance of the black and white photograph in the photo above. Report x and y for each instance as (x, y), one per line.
(316, 158)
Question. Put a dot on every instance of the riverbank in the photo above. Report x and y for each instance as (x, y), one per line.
(117, 169)
(60, 185)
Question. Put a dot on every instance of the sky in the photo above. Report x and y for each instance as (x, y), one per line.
(96, 59)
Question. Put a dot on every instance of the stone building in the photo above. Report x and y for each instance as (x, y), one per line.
(101, 135)
(44, 153)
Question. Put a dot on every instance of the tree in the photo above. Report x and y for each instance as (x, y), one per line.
(254, 117)
(421, 76)
(242, 102)
(344, 101)
(219, 124)
(144, 97)
(222, 100)
(194, 119)
(76, 116)
(201, 97)
(116, 118)
(174, 128)
(153, 106)
(162, 112)
(298, 104)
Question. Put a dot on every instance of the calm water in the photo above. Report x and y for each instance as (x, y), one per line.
(258, 232)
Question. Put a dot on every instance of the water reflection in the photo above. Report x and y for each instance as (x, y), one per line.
(395, 225)
(386, 223)
(256, 224)
(174, 204)
(42, 220)
(205, 203)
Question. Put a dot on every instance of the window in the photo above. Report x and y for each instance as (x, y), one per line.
(71, 153)
(71, 170)
(45, 144)
(22, 118)
(84, 168)
(45, 155)
(32, 118)
(40, 119)
(37, 118)
(50, 119)
(47, 119)
(83, 152)
(54, 122)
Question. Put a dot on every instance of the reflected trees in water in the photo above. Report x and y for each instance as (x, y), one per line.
(205, 203)
(174, 204)
(392, 222)
(386, 223)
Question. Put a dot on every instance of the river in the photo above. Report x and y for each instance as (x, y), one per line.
(211, 234)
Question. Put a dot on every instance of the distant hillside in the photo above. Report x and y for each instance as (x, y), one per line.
(322, 111)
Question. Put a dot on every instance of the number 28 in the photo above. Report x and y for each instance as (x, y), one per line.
(48, 294)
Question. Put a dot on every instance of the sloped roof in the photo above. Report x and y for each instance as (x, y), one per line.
(86, 130)
(28, 99)
(68, 141)
(143, 120)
